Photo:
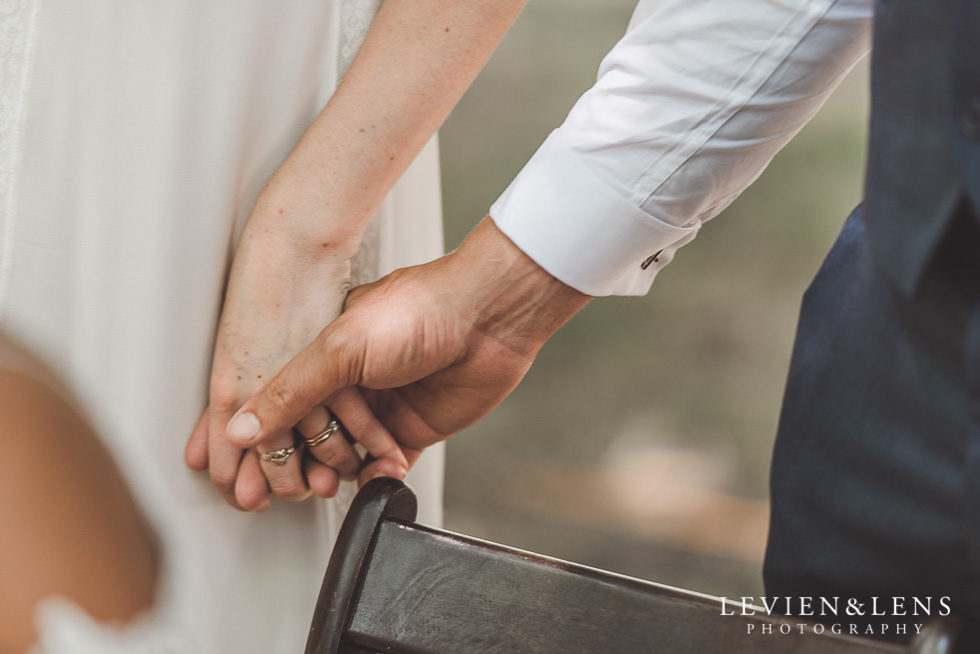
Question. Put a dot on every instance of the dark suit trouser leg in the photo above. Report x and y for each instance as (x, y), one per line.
(876, 470)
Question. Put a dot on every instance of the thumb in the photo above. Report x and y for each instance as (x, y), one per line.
(321, 369)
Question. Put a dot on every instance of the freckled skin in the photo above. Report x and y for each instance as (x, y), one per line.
(402, 85)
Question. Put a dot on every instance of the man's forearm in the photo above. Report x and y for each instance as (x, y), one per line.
(689, 108)
(514, 300)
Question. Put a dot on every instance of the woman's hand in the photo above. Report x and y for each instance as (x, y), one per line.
(281, 292)
(288, 277)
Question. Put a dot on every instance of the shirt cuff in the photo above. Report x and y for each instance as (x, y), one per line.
(580, 229)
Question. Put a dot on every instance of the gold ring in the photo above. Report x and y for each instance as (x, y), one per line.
(278, 457)
(323, 435)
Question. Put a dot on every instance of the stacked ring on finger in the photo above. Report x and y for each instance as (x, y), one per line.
(323, 435)
(278, 457)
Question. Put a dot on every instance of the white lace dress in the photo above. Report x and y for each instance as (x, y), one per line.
(134, 138)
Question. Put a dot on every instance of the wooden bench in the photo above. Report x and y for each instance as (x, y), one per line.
(398, 587)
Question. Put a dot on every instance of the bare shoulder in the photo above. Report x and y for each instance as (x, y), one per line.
(71, 526)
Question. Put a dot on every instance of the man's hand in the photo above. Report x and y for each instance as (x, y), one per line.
(434, 348)
(281, 292)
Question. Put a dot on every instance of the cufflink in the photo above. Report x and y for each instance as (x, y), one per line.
(653, 257)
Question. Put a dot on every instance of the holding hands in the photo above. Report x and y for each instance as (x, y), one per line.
(415, 357)
(292, 268)
(431, 349)
(278, 298)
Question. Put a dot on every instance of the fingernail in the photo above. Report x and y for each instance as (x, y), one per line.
(245, 427)
(380, 474)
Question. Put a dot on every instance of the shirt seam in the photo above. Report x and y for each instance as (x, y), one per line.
(814, 17)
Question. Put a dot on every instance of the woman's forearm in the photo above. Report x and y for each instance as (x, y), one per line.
(292, 266)
(417, 59)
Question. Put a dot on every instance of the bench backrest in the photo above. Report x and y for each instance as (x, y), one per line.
(398, 587)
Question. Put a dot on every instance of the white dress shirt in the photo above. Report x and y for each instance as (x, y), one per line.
(688, 109)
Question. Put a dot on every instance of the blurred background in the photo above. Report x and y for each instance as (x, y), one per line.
(640, 440)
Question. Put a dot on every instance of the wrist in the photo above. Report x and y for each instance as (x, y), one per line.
(513, 299)
(290, 218)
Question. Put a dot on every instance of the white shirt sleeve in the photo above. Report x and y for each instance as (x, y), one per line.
(689, 108)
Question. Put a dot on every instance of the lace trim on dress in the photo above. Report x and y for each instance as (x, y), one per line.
(355, 18)
(365, 267)
(18, 25)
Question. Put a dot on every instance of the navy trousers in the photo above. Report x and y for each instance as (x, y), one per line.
(875, 481)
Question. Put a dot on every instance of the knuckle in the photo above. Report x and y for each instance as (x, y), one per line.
(338, 459)
(282, 395)
(288, 488)
(323, 481)
(223, 479)
(224, 404)
(252, 501)
(345, 346)
(224, 397)
(328, 488)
